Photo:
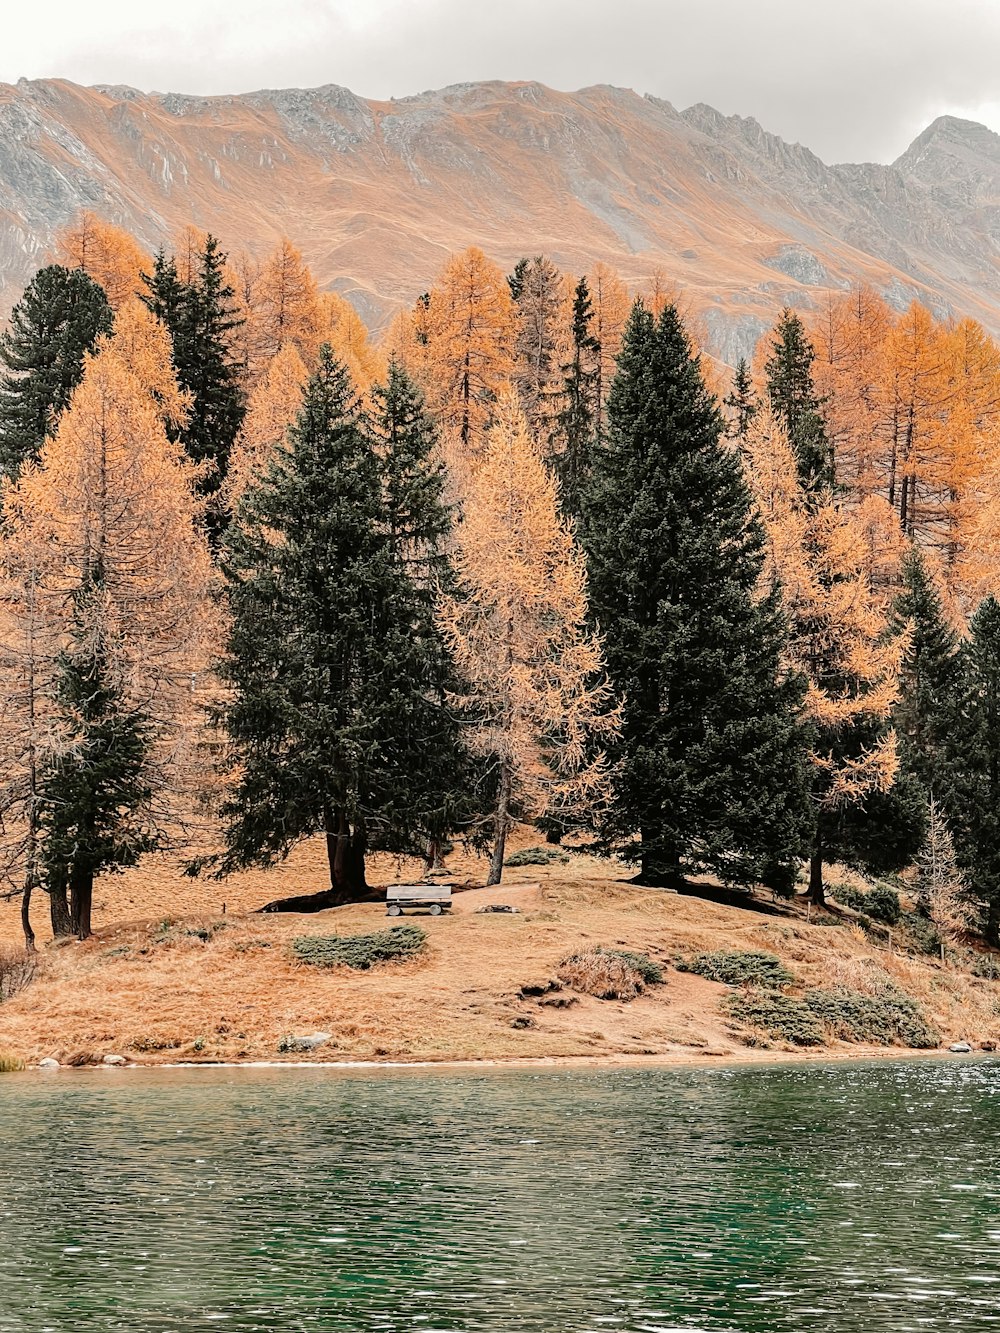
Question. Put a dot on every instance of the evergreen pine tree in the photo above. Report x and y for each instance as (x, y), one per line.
(969, 777)
(576, 426)
(56, 322)
(94, 798)
(712, 765)
(515, 280)
(200, 317)
(335, 716)
(928, 675)
(741, 401)
(795, 403)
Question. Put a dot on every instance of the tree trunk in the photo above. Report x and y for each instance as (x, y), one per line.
(59, 914)
(817, 894)
(29, 934)
(501, 825)
(81, 894)
(346, 859)
(553, 835)
(432, 856)
(660, 868)
(991, 934)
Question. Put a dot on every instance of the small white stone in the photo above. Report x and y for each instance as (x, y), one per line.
(48, 1063)
(114, 1060)
(960, 1048)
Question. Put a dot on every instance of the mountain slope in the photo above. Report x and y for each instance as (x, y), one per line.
(378, 193)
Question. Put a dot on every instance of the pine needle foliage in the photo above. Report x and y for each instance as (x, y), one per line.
(711, 766)
(336, 712)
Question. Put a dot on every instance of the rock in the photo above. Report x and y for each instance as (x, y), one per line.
(559, 1001)
(48, 1063)
(987, 1045)
(114, 1060)
(292, 1045)
(497, 907)
(523, 1021)
(960, 1048)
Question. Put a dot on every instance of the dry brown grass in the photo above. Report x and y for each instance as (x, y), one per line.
(603, 975)
(168, 977)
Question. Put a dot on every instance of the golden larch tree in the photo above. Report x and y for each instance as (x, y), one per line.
(537, 699)
(839, 634)
(470, 331)
(273, 407)
(286, 307)
(611, 303)
(108, 521)
(110, 256)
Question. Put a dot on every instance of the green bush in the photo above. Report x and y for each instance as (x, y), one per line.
(777, 1014)
(360, 951)
(922, 932)
(881, 1020)
(739, 969)
(880, 903)
(987, 967)
(536, 856)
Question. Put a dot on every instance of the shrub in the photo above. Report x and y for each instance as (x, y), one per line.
(923, 933)
(987, 967)
(609, 974)
(536, 856)
(17, 970)
(882, 1020)
(880, 903)
(360, 951)
(739, 969)
(777, 1014)
(10, 1064)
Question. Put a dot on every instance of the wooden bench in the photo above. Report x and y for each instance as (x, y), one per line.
(435, 897)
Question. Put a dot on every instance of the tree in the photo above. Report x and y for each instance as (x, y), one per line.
(793, 398)
(577, 422)
(95, 797)
(610, 299)
(469, 352)
(335, 714)
(54, 325)
(273, 407)
(840, 641)
(535, 694)
(970, 774)
(286, 309)
(103, 547)
(711, 767)
(107, 254)
(928, 673)
(539, 343)
(941, 889)
(741, 402)
(200, 316)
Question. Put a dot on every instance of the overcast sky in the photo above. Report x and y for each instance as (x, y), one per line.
(853, 79)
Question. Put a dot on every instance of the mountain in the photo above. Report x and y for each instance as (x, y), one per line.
(377, 194)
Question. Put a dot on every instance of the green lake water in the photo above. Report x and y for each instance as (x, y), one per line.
(853, 1198)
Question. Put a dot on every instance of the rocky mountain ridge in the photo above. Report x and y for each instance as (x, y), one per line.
(378, 193)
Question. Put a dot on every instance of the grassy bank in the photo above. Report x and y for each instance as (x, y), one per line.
(164, 979)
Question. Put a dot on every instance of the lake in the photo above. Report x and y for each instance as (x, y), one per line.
(854, 1198)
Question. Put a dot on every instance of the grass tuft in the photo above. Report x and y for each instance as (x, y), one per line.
(10, 1064)
(360, 951)
(610, 974)
(17, 971)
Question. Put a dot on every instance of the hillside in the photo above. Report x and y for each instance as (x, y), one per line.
(167, 977)
(378, 193)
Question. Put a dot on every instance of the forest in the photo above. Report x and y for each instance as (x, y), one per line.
(531, 556)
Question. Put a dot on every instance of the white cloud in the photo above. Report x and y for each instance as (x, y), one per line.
(858, 78)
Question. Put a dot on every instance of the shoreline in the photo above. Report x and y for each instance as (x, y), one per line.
(667, 1060)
